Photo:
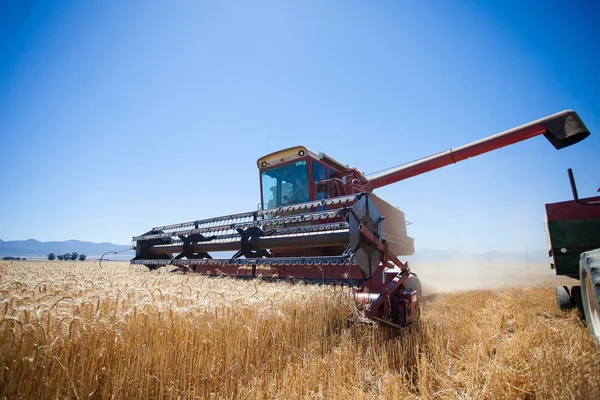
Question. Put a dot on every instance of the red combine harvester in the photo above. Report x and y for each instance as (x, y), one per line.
(320, 221)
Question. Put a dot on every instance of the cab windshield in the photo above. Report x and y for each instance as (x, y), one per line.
(286, 184)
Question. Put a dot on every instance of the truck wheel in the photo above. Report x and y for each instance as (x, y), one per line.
(589, 275)
(576, 298)
(563, 299)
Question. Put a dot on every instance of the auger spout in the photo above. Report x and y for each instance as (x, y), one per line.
(561, 129)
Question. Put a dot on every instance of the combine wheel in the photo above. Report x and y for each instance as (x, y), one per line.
(563, 299)
(589, 273)
(414, 283)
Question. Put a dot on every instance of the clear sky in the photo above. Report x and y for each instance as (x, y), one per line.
(119, 116)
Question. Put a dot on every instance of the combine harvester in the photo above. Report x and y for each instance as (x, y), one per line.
(320, 221)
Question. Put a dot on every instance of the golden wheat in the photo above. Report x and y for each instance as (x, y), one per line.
(74, 330)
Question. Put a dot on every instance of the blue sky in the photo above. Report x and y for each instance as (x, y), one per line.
(119, 116)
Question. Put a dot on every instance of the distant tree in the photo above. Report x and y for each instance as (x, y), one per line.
(67, 256)
(51, 257)
(60, 257)
(82, 257)
(74, 256)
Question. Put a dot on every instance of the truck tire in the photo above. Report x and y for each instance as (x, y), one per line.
(563, 299)
(589, 275)
(576, 299)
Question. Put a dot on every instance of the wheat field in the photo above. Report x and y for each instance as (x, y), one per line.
(78, 330)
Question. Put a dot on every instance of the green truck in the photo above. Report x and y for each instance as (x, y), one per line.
(573, 229)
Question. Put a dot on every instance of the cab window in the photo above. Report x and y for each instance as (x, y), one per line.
(286, 184)
(319, 174)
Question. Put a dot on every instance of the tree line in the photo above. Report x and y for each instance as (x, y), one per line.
(67, 256)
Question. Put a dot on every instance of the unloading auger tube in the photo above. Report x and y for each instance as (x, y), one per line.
(350, 236)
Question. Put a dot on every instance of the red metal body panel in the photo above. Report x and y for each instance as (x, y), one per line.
(567, 210)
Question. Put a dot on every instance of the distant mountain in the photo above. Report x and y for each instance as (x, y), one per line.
(33, 247)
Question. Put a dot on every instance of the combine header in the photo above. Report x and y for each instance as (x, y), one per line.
(319, 221)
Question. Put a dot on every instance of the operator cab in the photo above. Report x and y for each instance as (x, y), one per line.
(297, 175)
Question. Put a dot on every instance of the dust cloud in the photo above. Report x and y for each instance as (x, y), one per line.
(444, 277)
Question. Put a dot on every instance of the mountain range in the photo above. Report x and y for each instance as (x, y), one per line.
(35, 249)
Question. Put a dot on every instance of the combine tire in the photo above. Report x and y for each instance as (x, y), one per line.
(563, 299)
(589, 273)
(414, 283)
